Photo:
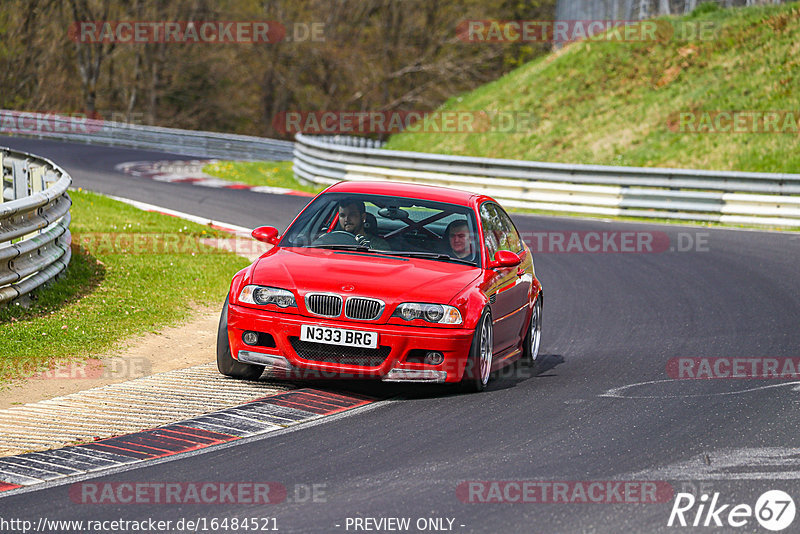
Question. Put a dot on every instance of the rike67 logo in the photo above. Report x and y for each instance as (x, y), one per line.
(774, 510)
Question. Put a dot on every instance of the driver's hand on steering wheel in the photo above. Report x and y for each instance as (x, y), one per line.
(362, 240)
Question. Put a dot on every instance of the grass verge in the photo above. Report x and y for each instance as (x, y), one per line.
(270, 173)
(132, 272)
(620, 103)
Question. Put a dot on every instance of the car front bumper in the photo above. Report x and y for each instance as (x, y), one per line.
(290, 358)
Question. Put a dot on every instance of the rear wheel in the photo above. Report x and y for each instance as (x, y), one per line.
(479, 364)
(534, 336)
(225, 362)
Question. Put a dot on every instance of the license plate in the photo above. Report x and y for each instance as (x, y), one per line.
(339, 336)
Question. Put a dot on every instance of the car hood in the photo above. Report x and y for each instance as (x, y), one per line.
(390, 278)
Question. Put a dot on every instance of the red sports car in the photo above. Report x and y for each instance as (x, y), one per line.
(389, 281)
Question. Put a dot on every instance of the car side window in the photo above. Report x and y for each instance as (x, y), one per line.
(498, 230)
(491, 229)
(512, 241)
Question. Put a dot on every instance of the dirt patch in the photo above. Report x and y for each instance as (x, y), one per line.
(187, 345)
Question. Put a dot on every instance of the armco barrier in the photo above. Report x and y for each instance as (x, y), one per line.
(727, 197)
(34, 223)
(111, 133)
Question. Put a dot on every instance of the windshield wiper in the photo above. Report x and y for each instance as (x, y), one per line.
(432, 256)
(357, 248)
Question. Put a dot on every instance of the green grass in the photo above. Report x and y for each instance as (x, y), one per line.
(270, 173)
(132, 272)
(616, 103)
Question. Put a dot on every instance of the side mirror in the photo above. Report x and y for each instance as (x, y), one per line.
(504, 258)
(266, 234)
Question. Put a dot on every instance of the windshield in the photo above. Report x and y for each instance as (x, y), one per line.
(392, 225)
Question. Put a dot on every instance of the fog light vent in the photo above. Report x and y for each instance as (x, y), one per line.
(250, 338)
(433, 357)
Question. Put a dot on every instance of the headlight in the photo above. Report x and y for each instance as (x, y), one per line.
(432, 313)
(262, 296)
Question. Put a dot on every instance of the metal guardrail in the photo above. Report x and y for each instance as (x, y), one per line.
(111, 133)
(34, 223)
(625, 10)
(696, 195)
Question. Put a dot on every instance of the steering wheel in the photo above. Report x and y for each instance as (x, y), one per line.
(337, 237)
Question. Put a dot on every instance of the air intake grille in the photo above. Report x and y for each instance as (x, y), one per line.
(320, 352)
(324, 304)
(363, 308)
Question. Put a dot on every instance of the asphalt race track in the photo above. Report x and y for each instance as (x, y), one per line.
(92, 167)
(604, 409)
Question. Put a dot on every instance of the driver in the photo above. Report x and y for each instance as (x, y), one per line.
(352, 216)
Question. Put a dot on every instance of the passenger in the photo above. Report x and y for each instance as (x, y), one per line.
(352, 216)
(460, 240)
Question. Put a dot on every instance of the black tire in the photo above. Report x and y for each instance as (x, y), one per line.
(225, 362)
(531, 346)
(476, 375)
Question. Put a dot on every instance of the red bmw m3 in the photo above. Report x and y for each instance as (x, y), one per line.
(387, 281)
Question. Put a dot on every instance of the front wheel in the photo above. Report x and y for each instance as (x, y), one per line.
(479, 364)
(534, 336)
(225, 362)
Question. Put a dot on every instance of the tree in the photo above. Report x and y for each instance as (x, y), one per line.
(90, 56)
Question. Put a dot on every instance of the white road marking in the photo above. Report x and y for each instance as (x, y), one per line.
(191, 171)
(239, 230)
(618, 393)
